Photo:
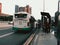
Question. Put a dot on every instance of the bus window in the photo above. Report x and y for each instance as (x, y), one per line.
(20, 15)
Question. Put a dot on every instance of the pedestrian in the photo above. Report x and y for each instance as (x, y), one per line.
(58, 33)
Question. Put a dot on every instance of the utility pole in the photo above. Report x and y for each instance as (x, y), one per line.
(59, 5)
(43, 11)
(43, 5)
(42, 17)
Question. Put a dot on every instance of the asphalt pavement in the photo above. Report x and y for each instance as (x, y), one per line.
(14, 39)
(5, 31)
(9, 37)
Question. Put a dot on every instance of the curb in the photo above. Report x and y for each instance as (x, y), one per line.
(28, 41)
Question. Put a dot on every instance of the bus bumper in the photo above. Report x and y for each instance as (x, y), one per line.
(15, 28)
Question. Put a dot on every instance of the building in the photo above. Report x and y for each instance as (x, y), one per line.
(16, 8)
(4, 16)
(0, 8)
(21, 9)
(26, 8)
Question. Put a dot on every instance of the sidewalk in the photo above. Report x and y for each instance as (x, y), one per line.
(5, 26)
(44, 39)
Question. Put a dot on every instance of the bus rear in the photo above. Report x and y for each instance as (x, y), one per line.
(21, 21)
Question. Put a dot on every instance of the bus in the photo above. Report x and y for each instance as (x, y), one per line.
(21, 21)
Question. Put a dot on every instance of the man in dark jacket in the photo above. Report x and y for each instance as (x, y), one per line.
(58, 33)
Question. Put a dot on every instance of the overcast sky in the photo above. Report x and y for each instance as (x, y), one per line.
(37, 6)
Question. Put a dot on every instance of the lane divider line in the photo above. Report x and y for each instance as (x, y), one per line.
(6, 34)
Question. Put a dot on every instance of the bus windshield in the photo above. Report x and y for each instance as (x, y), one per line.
(20, 15)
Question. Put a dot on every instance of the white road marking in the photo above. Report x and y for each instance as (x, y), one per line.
(6, 34)
(36, 38)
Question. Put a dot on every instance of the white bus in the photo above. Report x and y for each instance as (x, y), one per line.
(21, 21)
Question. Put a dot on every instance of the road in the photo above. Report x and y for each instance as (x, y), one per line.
(5, 31)
(9, 37)
(42, 38)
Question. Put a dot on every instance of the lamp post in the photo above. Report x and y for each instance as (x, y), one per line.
(43, 5)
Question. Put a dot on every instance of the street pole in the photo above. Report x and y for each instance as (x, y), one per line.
(43, 5)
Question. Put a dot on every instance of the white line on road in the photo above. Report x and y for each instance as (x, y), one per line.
(36, 38)
(6, 34)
